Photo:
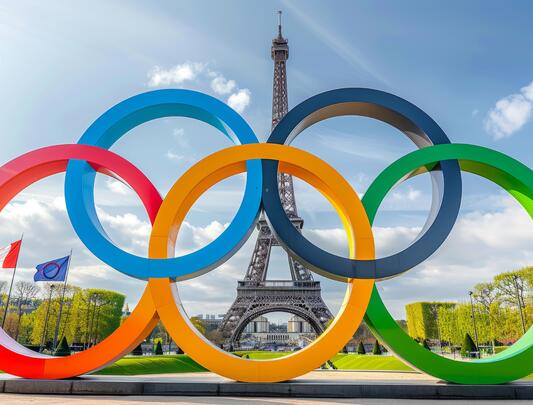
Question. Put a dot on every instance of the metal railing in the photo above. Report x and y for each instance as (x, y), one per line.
(280, 284)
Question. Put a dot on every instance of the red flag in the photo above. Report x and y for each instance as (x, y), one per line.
(9, 255)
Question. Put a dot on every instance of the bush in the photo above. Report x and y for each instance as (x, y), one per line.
(158, 348)
(63, 349)
(499, 349)
(377, 348)
(138, 351)
(35, 348)
(246, 356)
(469, 347)
(361, 348)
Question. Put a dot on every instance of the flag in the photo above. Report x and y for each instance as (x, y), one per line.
(9, 255)
(54, 270)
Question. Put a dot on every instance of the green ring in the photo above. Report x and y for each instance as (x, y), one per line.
(516, 178)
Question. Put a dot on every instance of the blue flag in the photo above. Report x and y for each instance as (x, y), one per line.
(54, 270)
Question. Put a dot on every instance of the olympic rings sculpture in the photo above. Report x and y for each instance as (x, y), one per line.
(261, 162)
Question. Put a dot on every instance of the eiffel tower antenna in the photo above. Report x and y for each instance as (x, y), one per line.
(256, 295)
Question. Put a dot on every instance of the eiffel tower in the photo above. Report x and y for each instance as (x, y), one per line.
(255, 294)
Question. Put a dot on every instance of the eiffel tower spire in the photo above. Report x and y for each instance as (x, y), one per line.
(255, 294)
(280, 106)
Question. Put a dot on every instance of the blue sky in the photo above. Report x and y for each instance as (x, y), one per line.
(468, 65)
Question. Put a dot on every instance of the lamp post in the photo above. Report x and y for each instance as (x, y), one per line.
(515, 278)
(474, 321)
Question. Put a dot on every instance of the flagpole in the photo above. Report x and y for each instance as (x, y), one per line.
(61, 302)
(52, 286)
(11, 286)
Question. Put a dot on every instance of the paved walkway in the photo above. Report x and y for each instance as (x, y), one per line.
(316, 383)
(318, 376)
(10, 399)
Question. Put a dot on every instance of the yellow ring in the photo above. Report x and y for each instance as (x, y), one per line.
(177, 203)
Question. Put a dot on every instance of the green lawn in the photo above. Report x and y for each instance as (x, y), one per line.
(179, 363)
(368, 362)
(346, 361)
(262, 355)
(184, 364)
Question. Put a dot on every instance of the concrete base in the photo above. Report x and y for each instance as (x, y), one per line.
(313, 385)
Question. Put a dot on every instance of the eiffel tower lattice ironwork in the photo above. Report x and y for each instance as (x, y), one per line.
(255, 294)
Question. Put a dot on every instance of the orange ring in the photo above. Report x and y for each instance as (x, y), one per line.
(175, 206)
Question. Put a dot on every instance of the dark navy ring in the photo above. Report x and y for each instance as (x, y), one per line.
(56, 268)
(406, 117)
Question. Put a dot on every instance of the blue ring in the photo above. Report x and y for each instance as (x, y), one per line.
(111, 126)
(406, 117)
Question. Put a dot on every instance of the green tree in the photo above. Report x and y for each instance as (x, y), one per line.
(11, 324)
(25, 292)
(138, 351)
(42, 330)
(88, 315)
(26, 328)
(469, 347)
(158, 348)
(377, 348)
(448, 325)
(514, 286)
(361, 348)
(515, 289)
(486, 295)
(422, 319)
(496, 311)
(63, 348)
(198, 324)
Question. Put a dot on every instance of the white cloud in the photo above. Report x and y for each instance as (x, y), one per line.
(240, 100)
(181, 138)
(130, 227)
(221, 85)
(527, 91)
(48, 234)
(410, 195)
(510, 113)
(117, 187)
(481, 245)
(206, 78)
(388, 240)
(191, 238)
(174, 156)
(178, 132)
(175, 75)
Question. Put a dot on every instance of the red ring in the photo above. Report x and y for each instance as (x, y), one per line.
(18, 174)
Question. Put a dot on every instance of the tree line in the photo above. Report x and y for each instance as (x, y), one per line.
(501, 310)
(87, 316)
